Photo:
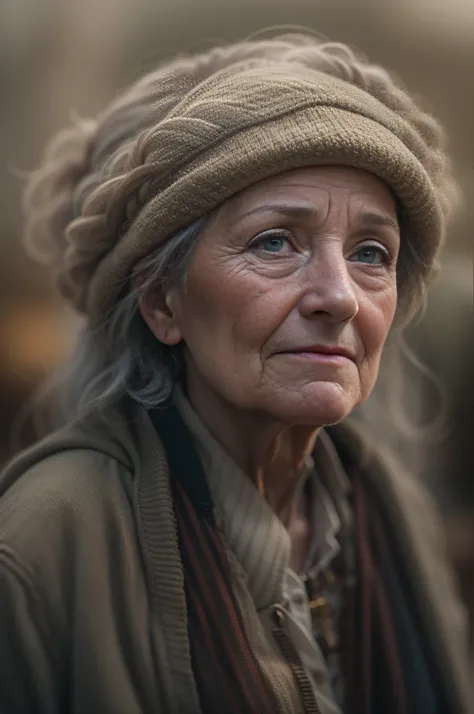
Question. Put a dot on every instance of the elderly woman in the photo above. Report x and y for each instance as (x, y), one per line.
(241, 230)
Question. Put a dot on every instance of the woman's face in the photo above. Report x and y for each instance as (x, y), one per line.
(291, 294)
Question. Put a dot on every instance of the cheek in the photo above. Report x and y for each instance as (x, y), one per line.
(226, 315)
(374, 321)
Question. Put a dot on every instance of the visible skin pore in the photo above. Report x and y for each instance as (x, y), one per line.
(306, 259)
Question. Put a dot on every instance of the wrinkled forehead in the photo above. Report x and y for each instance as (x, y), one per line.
(215, 144)
(312, 188)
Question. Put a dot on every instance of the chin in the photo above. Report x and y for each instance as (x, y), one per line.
(319, 404)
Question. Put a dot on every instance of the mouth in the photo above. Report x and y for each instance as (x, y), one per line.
(322, 353)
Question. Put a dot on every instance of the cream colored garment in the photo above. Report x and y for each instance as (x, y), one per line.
(261, 545)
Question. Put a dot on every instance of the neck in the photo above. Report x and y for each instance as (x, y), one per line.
(272, 454)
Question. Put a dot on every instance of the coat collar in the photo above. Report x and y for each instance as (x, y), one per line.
(253, 532)
(125, 434)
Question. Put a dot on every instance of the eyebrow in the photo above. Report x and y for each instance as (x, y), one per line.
(291, 210)
(368, 218)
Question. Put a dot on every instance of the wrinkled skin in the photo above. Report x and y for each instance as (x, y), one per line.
(302, 261)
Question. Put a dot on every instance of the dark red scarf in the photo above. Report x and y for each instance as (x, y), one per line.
(228, 675)
(369, 638)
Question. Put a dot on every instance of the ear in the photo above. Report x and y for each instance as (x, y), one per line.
(155, 308)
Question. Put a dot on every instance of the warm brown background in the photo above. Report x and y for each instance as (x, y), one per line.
(58, 56)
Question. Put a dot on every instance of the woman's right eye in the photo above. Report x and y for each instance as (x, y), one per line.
(273, 243)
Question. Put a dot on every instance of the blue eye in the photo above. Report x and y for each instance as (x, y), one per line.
(371, 256)
(273, 244)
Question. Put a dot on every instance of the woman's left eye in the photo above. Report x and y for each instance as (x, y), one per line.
(371, 255)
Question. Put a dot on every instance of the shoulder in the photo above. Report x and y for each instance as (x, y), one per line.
(416, 533)
(383, 472)
(78, 489)
(60, 521)
(406, 506)
(77, 476)
(63, 496)
(408, 511)
(75, 485)
(61, 518)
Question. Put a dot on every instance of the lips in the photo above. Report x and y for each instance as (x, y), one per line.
(331, 350)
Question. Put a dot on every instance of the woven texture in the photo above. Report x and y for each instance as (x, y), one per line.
(239, 126)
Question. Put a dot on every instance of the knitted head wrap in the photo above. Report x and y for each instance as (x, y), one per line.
(200, 130)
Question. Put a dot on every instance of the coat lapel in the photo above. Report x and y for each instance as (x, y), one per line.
(416, 535)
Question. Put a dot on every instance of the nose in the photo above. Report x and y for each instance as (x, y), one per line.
(328, 288)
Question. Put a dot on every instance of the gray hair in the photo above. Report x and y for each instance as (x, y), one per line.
(121, 356)
(97, 176)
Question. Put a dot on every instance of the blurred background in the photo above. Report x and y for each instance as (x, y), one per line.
(59, 58)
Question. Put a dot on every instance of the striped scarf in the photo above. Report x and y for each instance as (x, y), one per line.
(373, 668)
(228, 675)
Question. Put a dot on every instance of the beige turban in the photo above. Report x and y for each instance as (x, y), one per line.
(235, 128)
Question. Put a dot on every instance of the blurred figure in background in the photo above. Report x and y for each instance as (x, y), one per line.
(243, 231)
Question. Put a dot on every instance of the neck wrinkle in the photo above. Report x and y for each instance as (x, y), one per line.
(253, 532)
(273, 457)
